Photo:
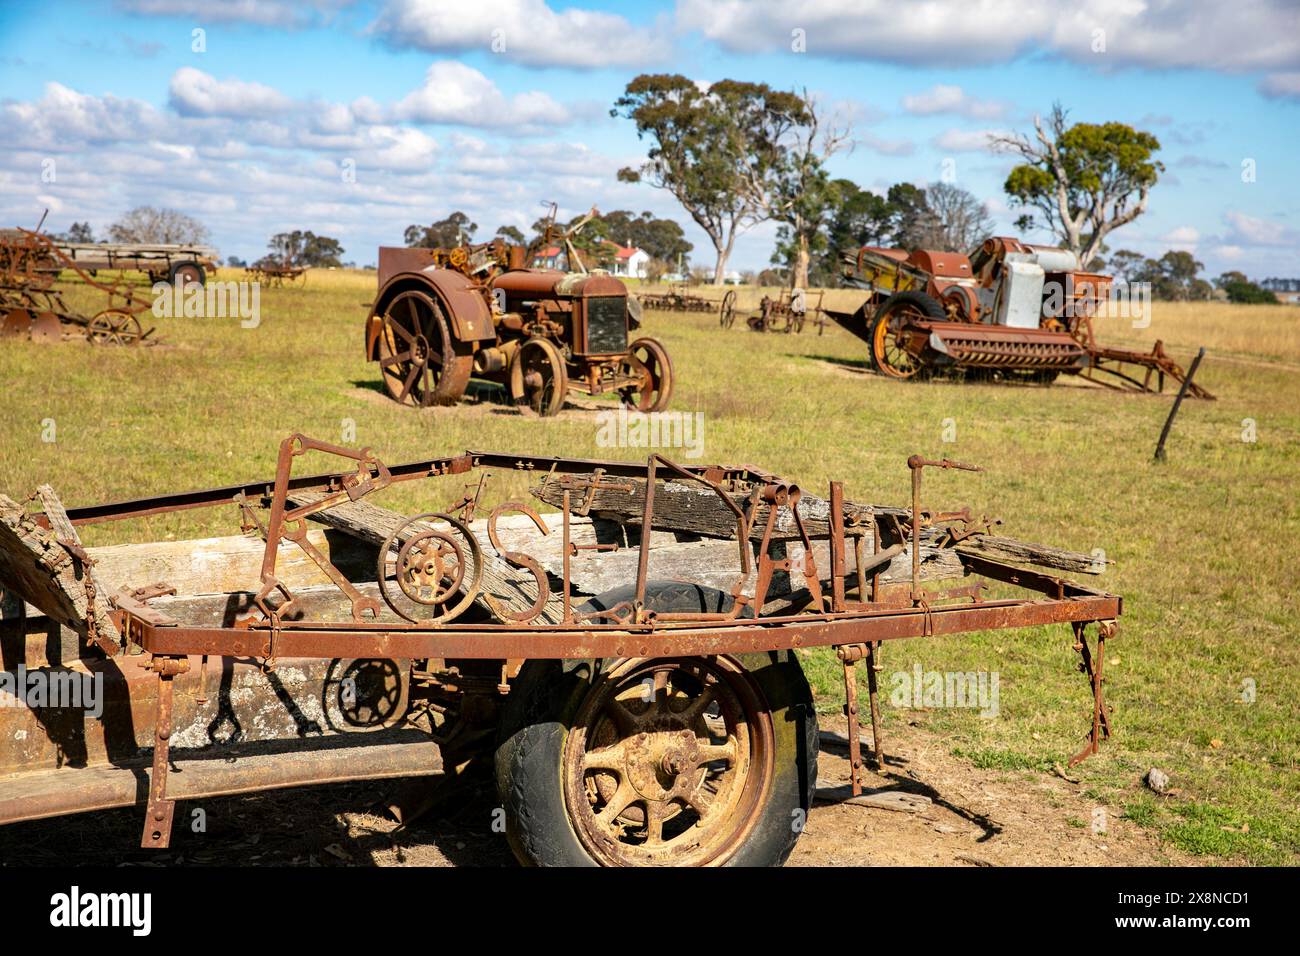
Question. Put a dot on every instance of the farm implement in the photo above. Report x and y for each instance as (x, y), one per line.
(787, 312)
(1008, 311)
(679, 299)
(32, 302)
(443, 316)
(629, 663)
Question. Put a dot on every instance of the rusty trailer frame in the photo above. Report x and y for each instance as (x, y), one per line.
(629, 631)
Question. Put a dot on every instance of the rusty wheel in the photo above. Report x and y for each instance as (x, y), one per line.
(538, 378)
(727, 311)
(647, 360)
(114, 327)
(888, 327)
(430, 568)
(185, 274)
(667, 762)
(417, 354)
(672, 761)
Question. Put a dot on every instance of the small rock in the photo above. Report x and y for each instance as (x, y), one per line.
(1157, 780)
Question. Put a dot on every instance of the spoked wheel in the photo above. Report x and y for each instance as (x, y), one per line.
(114, 327)
(727, 311)
(674, 761)
(538, 377)
(430, 568)
(666, 763)
(647, 360)
(417, 355)
(888, 327)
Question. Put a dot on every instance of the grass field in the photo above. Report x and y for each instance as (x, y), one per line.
(1203, 545)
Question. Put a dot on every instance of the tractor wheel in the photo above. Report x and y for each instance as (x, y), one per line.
(421, 363)
(538, 377)
(670, 761)
(887, 352)
(648, 360)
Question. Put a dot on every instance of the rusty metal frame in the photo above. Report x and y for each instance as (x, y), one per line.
(855, 629)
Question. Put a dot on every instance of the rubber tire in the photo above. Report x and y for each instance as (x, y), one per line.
(547, 694)
(187, 266)
(927, 303)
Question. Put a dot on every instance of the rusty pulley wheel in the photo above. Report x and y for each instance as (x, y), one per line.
(647, 360)
(418, 357)
(430, 568)
(538, 377)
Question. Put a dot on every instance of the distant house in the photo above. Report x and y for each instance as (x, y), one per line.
(629, 261)
(1287, 291)
(552, 257)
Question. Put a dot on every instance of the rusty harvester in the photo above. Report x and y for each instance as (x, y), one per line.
(443, 316)
(1009, 310)
(629, 663)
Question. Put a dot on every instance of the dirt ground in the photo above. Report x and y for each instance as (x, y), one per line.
(976, 818)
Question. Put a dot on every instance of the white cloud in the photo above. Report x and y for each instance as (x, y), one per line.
(195, 93)
(523, 31)
(1253, 231)
(456, 93)
(63, 118)
(1281, 86)
(1244, 35)
(1184, 237)
(967, 140)
(887, 147)
(942, 98)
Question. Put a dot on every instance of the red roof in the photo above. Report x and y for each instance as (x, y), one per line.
(549, 253)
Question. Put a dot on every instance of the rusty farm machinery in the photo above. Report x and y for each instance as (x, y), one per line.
(623, 654)
(785, 312)
(679, 298)
(33, 303)
(443, 316)
(1009, 310)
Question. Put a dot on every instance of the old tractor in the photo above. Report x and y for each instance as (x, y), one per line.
(443, 316)
(1009, 310)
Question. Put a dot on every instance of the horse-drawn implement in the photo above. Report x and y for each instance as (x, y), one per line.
(443, 316)
(679, 298)
(786, 312)
(1009, 310)
(33, 305)
(630, 664)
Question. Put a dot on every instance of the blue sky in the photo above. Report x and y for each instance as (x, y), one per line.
(104, 106)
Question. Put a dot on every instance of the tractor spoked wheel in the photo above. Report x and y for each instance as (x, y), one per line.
(727, 312)
(538, 378)
(417, 355)
(647, 360)
(114, 327)
(889, 327)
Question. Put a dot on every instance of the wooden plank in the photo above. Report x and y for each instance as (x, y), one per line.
(44, 568)
(1009, 549)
